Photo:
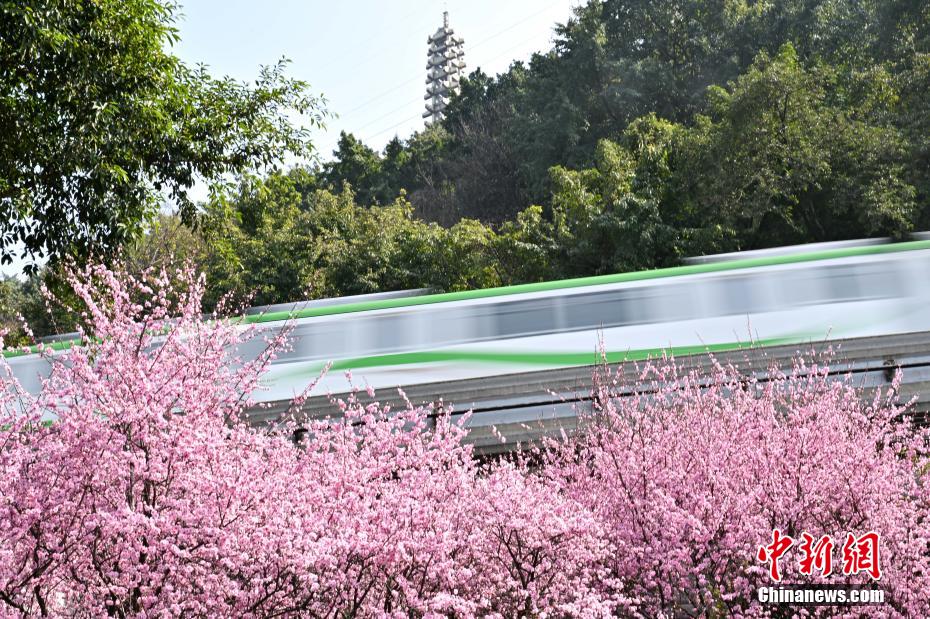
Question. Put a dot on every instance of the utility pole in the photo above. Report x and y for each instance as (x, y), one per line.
(444, 69)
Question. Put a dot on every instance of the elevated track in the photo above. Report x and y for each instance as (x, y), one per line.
(512, 409)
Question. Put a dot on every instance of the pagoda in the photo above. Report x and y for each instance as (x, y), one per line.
(444, 69)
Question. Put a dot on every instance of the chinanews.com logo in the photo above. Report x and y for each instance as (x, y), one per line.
(860, 554)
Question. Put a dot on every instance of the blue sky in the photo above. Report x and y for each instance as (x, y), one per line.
(367, 57)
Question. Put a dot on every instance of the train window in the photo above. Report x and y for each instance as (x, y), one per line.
(594, 311)
(318, 340)
(879, 281)
(526, 317)
(482, 321)
(737, 295)
(841, 284)
(356, 335)
(674, 302)
(838, 284)
(446, 325)
(633, 306)
(799, 288)
(388, 332)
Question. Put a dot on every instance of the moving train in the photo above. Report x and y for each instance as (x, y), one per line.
(781, 296)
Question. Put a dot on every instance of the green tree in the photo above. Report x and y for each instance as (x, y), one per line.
(12, 303)
(261, 244)
(608, 218)
(790, 154)
(27, 313)
(102, 123)
(526, 248)
(355, 164)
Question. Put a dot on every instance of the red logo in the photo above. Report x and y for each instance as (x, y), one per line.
(817, 556)
(773, 552)
(860, 554)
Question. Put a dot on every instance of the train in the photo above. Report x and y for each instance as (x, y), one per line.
(799, 295)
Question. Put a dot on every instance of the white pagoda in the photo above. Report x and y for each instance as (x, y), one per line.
(444, 69)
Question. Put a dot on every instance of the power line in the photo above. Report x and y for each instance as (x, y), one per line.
(404, 106)
(383, 131)
(389, 33)
(511, 27)
(386, 92)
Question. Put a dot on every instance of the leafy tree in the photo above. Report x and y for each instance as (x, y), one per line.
(913, 117)
(355, 164)
(278, 239)
(102, 123)
(260, 250)
(607, 219)
(12, 301)
(526, 248)
(791, 154)
(482, 169)
(395, 171)
(431, 193)
(464, 260)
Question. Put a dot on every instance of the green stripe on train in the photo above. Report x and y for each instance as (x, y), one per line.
(16, 352)
(715, 267)
(551, 359)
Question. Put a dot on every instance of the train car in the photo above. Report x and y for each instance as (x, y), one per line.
(796, 297)
(789, 295)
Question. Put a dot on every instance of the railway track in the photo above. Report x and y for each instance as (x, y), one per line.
(512, 409)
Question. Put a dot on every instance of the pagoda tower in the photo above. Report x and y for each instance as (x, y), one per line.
(444, 69)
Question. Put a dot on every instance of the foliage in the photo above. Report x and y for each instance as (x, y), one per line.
(778, 160)
(102, 123)
(12, 299)
(355, 164)
(782, 122)
(39, 305)
(275, 239)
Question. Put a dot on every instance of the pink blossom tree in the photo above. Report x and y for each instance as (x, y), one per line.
(149, 495)
(690, 474)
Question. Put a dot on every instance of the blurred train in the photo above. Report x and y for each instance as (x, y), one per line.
(780, 296)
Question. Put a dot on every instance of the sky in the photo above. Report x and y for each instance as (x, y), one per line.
(366, 57)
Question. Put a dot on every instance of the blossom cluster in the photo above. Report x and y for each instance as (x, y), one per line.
(132, 485)
(690, 474)
(150, 495)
